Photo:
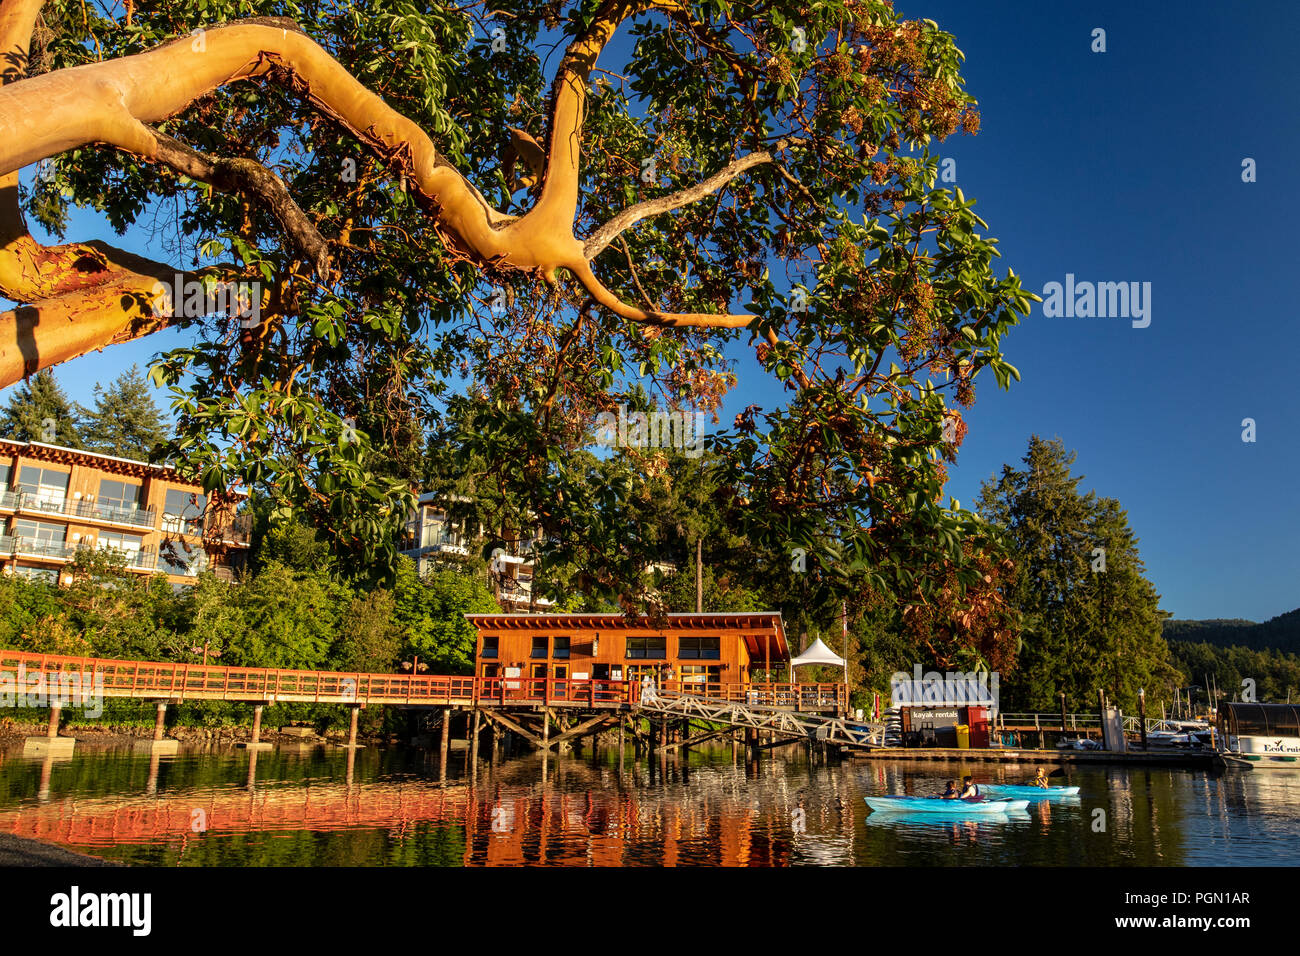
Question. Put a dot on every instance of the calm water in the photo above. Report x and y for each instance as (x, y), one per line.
(300, 805)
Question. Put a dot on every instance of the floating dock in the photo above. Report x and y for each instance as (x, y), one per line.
(1192, 759)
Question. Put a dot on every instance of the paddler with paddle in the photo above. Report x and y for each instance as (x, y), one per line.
(968, 789)
(1040, 779)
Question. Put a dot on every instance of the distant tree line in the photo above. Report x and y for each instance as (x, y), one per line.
(123, 421)
(1280, 633)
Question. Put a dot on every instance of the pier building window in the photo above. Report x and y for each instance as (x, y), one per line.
(540, 647)
(699, 648)
(491, 670)
(635, 672)
(561, 671)
(561, 649)
(489, 648)
(647, 648)
(701, 673)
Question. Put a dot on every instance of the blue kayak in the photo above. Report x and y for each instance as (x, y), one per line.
(939, 805)
(1028, 793)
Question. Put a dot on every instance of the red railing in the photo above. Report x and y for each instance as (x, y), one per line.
(49, 674)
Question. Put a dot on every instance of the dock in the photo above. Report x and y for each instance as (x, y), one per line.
(1172, 758)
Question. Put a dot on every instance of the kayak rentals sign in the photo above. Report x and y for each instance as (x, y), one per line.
(947, 689)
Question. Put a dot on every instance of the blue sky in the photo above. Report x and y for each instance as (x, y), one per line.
(1122, 166)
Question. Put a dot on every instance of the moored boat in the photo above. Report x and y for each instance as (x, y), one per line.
(1027, 792)
(1260, 735)
(913, 804)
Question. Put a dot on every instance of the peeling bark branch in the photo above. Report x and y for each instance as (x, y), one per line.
(114, 102)
(251, 178)
(599, 240)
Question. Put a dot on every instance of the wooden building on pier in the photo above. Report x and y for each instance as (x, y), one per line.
(697, 650)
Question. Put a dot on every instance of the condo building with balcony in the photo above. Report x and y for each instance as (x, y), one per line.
(435, 536)
(56, 500)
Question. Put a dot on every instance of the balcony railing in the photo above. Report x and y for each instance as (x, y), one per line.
(21, 546)
(39, 548)
(73, 508)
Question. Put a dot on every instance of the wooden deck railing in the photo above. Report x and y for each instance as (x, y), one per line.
(30, 674)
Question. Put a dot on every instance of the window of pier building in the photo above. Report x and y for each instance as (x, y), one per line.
(699, 648)
(541, 647)
(637, 672)
(647, 648)
(560, 649)
(490, 645)
(700, 673)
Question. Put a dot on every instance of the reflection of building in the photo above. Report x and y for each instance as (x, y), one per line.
(434, 536)
(55, 500)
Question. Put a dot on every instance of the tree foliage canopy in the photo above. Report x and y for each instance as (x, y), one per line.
(427, 197)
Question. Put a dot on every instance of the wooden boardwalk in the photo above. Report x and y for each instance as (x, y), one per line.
(70, 678)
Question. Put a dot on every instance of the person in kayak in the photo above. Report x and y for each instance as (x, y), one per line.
(968, 789)
(1040, 779)
(949, 792)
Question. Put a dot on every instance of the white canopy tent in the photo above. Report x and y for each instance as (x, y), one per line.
(817, 653)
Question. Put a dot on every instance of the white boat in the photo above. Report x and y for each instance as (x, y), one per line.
(1267, 736)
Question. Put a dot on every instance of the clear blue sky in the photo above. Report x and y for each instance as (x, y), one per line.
(1123, 166)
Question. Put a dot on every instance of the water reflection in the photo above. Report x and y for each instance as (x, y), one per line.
(331, 806)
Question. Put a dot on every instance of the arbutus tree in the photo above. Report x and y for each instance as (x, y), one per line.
(430, 195)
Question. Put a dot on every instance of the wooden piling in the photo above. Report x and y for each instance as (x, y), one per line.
(445, 744)
(159, 720)
(257, 723)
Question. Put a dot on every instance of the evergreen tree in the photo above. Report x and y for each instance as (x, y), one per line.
(1091, 618)
(125, 421)
(38, 410)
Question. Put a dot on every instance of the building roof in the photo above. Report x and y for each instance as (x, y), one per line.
(64, 455)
